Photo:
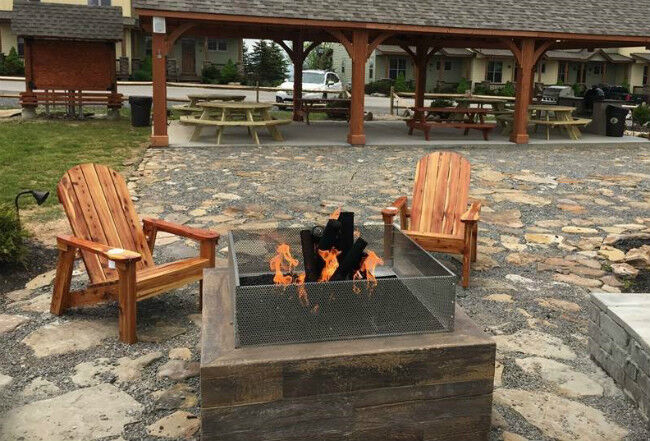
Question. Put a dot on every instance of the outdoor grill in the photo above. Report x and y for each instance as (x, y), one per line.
(413, 293)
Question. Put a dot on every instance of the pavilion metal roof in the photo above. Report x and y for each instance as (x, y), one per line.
(643, 56)
(67, 21)
(598, 17)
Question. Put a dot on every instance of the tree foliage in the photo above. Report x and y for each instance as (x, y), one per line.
(229, 73)
(320, 58)
(265, 63)
(12, 65)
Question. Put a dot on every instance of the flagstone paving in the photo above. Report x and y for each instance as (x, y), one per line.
(547, 238)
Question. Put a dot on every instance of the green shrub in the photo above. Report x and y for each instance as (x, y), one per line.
(507, 90)
(210, 74)
(400, 84)
(144, 73)
(482, 89)
(229, 73)
(379, 86)
(12, 65)
(641, 114)
(12, 246)
(463, 86)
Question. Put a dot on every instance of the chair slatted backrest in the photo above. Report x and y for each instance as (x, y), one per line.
(440, 193)
(98, 205)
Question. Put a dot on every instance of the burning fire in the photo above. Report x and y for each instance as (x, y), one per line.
(277, 264)
(369, 264)
(331, 263)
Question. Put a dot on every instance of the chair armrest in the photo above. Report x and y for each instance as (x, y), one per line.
(180, 230)
(110, 253)
(473, 213)
(399, 206)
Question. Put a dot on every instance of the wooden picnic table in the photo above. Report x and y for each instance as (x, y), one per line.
(339, 105)
(551, 116)
(239, 114)
(470, 118)
(498, 104)
(195, 98)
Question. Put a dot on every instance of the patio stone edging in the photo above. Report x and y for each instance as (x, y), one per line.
(619, 342)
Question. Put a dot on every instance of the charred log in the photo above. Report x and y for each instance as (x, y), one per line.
(313, 264)
(351, 262)
(346, 237)
(330, 235)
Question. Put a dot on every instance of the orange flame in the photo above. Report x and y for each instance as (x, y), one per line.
(336, 213)
(369, 264)
(302, 292)
(331, 263)
(278, 265)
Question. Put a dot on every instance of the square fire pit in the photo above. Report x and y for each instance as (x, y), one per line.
(391, 358)
(413, 292)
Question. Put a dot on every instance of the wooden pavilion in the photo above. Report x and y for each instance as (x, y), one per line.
(528, 28)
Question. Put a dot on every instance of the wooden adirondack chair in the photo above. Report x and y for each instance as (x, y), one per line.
(439, 219)
(116, 249)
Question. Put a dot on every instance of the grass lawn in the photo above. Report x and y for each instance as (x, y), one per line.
(35, 154)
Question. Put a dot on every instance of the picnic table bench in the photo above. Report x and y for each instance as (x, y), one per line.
(195, 98)
(239, 114)
(326, 105)
(467, 118)
(549, 116)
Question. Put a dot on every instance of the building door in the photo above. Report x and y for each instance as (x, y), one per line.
(188, 48)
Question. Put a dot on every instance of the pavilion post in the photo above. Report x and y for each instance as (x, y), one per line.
(420, 62)
(159, 137)
(359, 55)
(525, 56)
(298, 59)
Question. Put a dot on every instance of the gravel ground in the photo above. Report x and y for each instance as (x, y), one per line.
(522, 189)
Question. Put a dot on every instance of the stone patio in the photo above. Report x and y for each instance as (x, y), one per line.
(547, 210)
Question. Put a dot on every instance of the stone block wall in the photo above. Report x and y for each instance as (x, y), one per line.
(619, 350)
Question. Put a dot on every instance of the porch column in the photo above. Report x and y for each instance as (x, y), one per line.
(525, 59)
(359, 55)
(159, 138)
(298, 59)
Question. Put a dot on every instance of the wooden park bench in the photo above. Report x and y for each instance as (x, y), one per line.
(472, 118)
(73, 99)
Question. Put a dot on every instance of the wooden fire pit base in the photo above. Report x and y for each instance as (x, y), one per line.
(412, 387)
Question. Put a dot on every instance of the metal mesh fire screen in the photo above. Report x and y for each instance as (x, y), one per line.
(414, 292)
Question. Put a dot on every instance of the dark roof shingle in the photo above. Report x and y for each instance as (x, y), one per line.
(74, 22)
(598, 17)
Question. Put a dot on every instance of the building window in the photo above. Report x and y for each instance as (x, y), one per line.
(494, 72)
(148, 46)
(371, 70)
(396, 68)
(21, 46)
(99, 2)
(343, 66)
(598, 69)
(542, 68)
(646, 74)
(215, 44)
(447, 65)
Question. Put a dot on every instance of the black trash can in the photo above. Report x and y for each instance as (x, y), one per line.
(615, 120)
(140, 110)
